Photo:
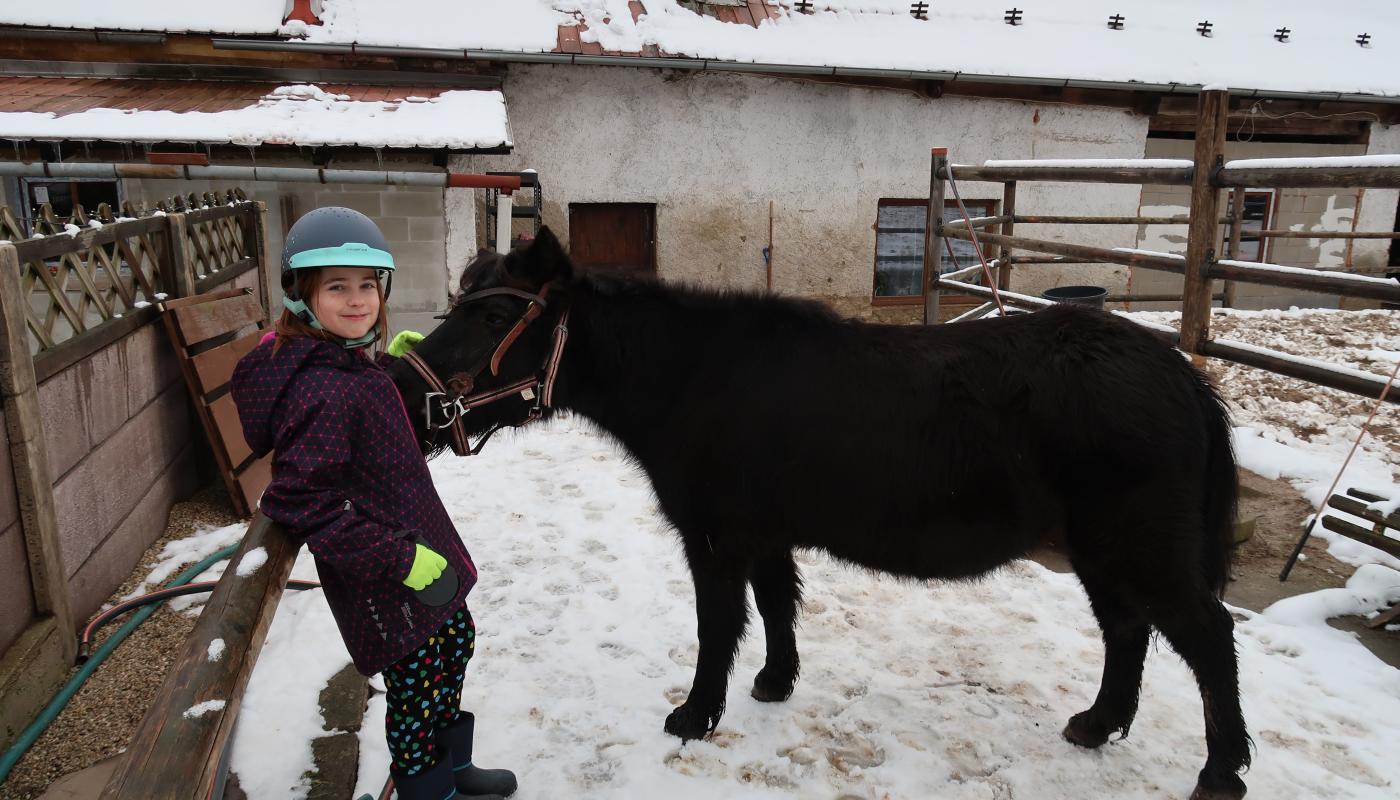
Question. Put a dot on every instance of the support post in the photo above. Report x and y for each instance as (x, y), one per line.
(1233, 250)
(933, 234)
(255, 244)
(19, 391)
(180, 279)
(1205, 209)
(505, 205)
(1008, 209)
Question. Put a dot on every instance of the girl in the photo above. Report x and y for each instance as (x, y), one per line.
(349, 479)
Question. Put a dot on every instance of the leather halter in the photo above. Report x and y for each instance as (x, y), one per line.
(458, 393)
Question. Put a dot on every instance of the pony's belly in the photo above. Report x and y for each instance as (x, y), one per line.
(951, 551)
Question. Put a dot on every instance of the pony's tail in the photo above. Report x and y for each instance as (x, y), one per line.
(1221, 490)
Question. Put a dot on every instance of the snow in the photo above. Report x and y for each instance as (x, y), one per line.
(298, 114)
(200, 709)
(1106, 163)
(216, 650)
(953, 690)
(1060, 40)
(245, 16)
(1255, 266)
(252, 561)
(1347, 162)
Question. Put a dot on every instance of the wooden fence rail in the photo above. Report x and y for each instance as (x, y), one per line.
(177, 750)
(1207, 175)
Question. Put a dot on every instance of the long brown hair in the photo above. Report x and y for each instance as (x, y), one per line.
(305, 284)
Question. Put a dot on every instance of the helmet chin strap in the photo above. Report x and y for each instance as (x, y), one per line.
(303, 312)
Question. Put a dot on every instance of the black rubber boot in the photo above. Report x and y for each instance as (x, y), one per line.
(473, 783)
(433, 783)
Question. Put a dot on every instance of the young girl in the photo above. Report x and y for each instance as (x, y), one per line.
(348, 478)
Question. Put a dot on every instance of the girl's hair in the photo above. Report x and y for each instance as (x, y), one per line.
(305, 283)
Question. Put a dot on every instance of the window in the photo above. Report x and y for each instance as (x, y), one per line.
(63, 195)
(1258, 211)
(899, 247)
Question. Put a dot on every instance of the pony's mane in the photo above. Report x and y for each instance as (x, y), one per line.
(705, 299)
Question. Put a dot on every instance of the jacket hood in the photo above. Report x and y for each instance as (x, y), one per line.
(261, 380)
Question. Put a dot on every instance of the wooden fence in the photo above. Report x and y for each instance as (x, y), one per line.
(1208, 175)
(65, 294)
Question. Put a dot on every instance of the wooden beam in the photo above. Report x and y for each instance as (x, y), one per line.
(933, 234)
(1008, 228)
(19, 391)
(1205, 210)
(1310, 177)
(1233, 250)
(1090, 255)
(175, 754)
(1158, 176)
(1319, 281)
(1310, 370)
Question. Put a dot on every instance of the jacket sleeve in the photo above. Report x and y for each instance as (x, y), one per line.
(310, 497)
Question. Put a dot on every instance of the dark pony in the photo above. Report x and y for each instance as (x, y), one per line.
(767, 424)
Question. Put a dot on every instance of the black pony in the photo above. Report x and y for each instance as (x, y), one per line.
(767, 424)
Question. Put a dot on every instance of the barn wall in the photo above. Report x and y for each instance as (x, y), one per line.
(713, 150)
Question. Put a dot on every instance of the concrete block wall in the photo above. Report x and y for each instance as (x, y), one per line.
(118, 431)
(16, 592)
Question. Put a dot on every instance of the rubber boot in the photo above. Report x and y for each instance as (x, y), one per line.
(472, 781)
(433, 783)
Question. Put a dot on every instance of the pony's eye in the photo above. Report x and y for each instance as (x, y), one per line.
(496, 320)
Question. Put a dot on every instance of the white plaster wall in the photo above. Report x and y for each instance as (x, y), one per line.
(712, 150)
(1377, 205)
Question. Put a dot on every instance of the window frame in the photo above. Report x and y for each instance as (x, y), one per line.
(980, 207)
(1265, 244)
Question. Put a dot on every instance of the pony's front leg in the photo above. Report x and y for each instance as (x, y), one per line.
(722, 611)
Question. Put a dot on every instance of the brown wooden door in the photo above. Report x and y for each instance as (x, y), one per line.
(618, 237)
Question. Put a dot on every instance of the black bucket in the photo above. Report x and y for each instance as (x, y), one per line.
(1091, 296)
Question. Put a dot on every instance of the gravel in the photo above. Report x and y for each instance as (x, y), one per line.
(102, 717)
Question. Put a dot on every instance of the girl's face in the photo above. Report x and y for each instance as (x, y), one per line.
(347, 301)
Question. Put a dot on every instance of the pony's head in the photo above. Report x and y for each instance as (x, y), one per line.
(491, 360)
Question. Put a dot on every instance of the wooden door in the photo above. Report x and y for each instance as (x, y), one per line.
(618, 237)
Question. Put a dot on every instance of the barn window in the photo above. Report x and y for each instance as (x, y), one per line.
(899, 247)
(63, 195)
(1258, 212)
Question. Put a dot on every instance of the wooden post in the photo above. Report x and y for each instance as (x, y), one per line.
(933, 234)
(1233, 250)
(1211, 114)
(20, 393)
(180, 281)
(255, 238)
(1008, 209)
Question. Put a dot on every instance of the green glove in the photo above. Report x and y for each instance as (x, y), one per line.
(427, 567)
(404, 341)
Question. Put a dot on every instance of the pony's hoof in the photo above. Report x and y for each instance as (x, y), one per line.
(1084, 731)
(687, 724)
(1230, 788)
(767, 690)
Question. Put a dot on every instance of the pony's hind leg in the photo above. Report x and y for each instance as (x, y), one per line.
(777, 591)
(1201, 631)
(1125, 637)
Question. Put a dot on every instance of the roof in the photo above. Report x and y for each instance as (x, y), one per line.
(216, 112)
(1344, 47)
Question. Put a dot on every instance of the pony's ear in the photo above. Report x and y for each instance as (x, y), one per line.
(541, 261)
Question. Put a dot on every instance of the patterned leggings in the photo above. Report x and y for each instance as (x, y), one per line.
(424, 692)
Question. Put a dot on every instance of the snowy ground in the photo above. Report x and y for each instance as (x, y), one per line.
(587, 639)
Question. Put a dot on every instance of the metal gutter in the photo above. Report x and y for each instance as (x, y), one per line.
(709, 65)
(112, 171)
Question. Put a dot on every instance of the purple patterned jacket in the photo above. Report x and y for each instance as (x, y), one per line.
(347, 475)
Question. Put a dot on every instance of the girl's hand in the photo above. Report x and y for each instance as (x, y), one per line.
(427, 567)
(402, 342)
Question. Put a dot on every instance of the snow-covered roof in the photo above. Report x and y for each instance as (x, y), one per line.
(1158, 43)
(212, 113)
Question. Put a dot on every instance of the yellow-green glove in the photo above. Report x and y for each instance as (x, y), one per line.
(427, 567)
(403, 342)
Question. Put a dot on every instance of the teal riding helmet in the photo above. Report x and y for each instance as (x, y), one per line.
(333, 237)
